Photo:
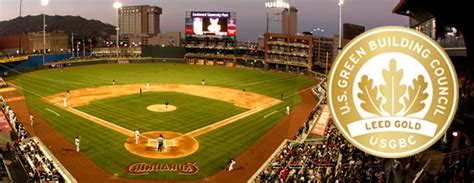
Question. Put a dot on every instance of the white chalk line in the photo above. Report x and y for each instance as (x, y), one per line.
(104, 123)
(54, 112)
(269, 114)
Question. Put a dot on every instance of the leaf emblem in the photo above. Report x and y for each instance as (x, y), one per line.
(392, 90)
(416, 96)
(370, 101)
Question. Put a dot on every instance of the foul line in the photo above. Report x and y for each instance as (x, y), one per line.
(296, 93)
(104, 123)
(54, 112)
(222, 123)
(227, 121)
(269, 114)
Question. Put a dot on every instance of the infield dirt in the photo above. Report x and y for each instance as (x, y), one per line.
(161, 108)
(84, 96)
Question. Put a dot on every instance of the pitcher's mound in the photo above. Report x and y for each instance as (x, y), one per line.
(161, 108)
(176, 145)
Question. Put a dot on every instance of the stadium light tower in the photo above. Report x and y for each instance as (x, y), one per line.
(44, 3)
(274, 9)
(118, 5)
(341, 2)
(319, 32)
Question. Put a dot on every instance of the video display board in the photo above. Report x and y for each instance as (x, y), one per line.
(211, 23)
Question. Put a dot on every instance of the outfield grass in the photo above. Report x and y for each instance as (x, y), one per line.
(192, 112)
(105, 147)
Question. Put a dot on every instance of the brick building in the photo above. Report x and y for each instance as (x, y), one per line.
(33, 43)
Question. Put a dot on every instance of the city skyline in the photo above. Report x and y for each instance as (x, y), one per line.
(251, 21)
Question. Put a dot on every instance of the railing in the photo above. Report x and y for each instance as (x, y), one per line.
(311, 125)
(269, 160)
(9, 176)
(319, 75)
(61, 169)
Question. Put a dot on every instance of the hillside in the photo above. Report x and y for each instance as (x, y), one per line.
(75, 24)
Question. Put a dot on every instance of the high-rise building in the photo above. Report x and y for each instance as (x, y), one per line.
(289, 24)
(323, 45)
(350, 31)
(144, 19)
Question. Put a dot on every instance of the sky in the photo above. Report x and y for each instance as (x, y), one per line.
(251, 14)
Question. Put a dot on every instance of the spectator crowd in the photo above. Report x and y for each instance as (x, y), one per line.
(38, 167)
(11, 117)
(458, 170)
(305, 128)
(332, 160)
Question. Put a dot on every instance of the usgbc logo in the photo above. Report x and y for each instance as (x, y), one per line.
(392, 92)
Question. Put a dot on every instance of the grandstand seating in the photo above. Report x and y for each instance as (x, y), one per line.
(38, 167)
(37, 161)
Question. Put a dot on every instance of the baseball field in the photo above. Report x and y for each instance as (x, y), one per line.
(204, 124)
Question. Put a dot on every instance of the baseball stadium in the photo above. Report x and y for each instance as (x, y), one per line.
(87, 101)
(205, 124)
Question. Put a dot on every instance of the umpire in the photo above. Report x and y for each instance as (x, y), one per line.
(160, 143)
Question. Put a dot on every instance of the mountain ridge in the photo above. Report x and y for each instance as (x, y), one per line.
(70, 24)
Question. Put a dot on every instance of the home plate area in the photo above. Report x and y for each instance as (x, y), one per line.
(176, 145)
(168, 145)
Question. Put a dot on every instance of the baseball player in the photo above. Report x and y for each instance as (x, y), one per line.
(20, 133)
(243, 92)
(31, 120)
(77, 142)
(137, 136)
(203, 82)
(231, 165)
(159, 144)
(23, 133)
(68, 93)
(166, 105)
(113, 82)
(287, 110)
(141, 93)
(65, 102)
(148, 86)
(10, 114)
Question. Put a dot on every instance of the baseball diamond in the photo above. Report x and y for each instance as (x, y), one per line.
(205, 125)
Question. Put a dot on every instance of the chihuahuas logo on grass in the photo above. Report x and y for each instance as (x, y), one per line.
(393, 92)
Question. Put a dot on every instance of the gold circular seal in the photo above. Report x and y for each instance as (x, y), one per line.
(392, 92)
